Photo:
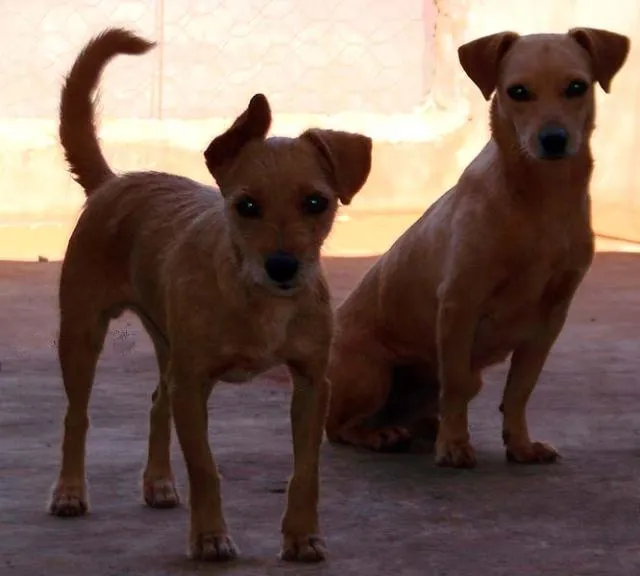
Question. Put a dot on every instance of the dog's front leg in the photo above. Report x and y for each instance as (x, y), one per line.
(300, 527)
(459, 384)
(527, 362)
(208, 537)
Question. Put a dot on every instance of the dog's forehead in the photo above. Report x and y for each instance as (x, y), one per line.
(279, 142)
(281, 162)
(544, 57)
(281, 149)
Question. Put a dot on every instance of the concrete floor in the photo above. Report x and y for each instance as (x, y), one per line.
(382, 514)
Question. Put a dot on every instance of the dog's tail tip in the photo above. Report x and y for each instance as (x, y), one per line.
(124, 40)
(258, 99)
(77, 127)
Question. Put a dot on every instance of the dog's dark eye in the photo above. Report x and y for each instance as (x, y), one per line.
(315, 204)
(519, 93)
(576, 89)
(247, 207)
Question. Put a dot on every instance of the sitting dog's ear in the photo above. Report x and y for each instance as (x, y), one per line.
(608, 52)
(252, 124)
(480, 59)
(347, 156)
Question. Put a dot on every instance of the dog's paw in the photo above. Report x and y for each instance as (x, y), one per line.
(160, 493)
(385, 439)
(389, 439)
(68, 500)
(455, 454)
(303, 549)
(531, 453)
(213, 548)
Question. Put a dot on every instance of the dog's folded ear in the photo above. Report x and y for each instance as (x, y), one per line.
(346, 155)
(253, 123)
(480, 59)
(607, 50)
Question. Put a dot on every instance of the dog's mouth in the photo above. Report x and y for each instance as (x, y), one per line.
(285, 287)
(280, 289)
(536, 153)
(553, 157)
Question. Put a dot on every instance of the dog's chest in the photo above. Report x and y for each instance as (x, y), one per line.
(519, 308)
(256, 346)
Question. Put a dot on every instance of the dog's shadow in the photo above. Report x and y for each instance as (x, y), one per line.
(397, 480)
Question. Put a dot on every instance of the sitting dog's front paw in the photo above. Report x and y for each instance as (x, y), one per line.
(160, 493)
(68, 499)
(303, 549)
(213, 548)
(455, 454)
(531, 453)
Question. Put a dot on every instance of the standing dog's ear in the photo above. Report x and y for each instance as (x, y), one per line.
(480, 59)
(252, 124)
(347, 156)
(608, 52)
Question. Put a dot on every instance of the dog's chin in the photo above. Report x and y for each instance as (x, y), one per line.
(536, 155)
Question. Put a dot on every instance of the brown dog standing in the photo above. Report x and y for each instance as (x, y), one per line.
(227, 283)
(490, 269)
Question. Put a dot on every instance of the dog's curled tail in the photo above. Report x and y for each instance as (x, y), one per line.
(77, 130)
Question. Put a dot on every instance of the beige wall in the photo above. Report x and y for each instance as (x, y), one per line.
(386, 68)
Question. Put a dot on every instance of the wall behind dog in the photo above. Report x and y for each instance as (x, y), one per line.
(388, 69)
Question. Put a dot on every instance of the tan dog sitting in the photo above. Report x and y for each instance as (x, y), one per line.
(227, 283)
(490, 269)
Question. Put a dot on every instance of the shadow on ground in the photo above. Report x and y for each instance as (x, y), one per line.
(382, 514)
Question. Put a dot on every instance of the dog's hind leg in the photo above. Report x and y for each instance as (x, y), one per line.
(360, 385)
(158, 484)
(412, 405)
(414, 402)
(82, 333)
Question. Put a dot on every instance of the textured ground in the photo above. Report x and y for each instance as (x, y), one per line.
(383, 515)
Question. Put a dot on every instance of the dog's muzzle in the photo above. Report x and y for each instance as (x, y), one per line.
(281, 268)
(553, 141)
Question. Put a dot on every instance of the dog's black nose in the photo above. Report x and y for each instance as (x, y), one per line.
(553, 141)
(281, 267)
